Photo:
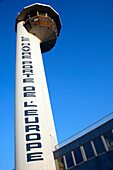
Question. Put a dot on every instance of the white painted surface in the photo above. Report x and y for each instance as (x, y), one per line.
(46, 124)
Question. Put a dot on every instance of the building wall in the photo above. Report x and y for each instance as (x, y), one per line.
(101, 162)
(94, 150)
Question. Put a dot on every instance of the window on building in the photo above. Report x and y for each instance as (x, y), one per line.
(88, 150)
(78, 156)
(109, 139)
(69, 160)
(61, 163)
(99, 146)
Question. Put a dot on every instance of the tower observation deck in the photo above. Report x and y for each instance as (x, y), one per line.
(43, 22)
(37, 27)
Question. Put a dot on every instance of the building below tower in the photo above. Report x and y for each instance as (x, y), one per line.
(90, 149)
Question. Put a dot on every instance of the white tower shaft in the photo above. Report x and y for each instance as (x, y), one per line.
(35, 134)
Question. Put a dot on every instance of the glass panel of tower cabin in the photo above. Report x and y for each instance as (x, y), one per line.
(109, 139)
(33, 14)
(42, 14)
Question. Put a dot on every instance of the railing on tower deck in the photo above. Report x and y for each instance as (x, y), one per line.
(42, 21)
(85, 131)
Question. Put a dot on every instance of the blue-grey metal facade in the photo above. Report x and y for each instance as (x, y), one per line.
(92, 151)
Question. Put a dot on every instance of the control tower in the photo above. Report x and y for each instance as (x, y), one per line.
(37, 27)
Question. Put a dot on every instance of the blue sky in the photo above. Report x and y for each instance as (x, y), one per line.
(79, 68)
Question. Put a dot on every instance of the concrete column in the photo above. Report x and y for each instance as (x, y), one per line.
(93, 147)
(104, 143)
(83, 153)
(35, 135)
